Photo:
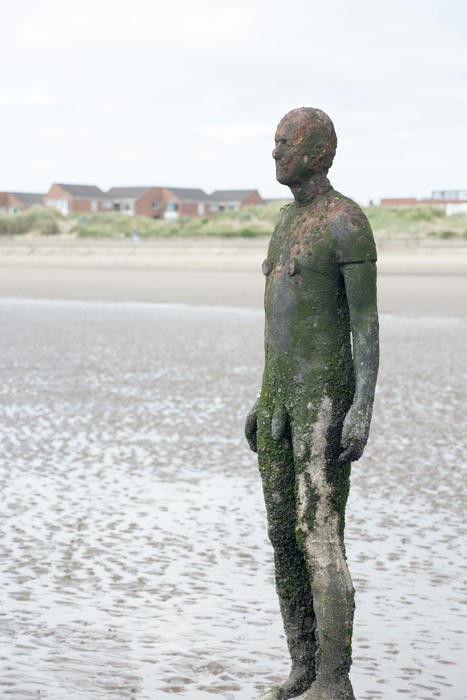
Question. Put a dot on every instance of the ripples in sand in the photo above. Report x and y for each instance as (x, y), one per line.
(135, 557)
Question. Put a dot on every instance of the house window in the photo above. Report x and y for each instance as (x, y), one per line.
(94, 206)
(213, 207)
(200, 209)
(106, 204)
(171, 206)
(156, 204)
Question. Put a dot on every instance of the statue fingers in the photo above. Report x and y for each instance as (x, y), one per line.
(351, 453)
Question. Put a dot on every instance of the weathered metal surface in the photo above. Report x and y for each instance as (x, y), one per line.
(313, 414)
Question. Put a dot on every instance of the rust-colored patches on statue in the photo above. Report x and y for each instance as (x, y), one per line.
(300, 133)
(293, 268)
(276, 271)
(357, 218)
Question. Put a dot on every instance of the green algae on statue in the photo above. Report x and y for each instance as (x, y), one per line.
(312, 416)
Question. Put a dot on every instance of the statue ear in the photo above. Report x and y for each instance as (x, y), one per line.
(321, 157)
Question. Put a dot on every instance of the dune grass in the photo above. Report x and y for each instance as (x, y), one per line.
(418, 221)
(36, 219)
(413, 222)
(248, 223)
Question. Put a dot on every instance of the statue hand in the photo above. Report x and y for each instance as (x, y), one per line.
(251, 425)
(354, 434)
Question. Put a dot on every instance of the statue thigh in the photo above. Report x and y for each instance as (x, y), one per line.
(277, 468)
(304, 486)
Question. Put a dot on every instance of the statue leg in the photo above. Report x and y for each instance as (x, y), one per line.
(276, 464)
(322, 489)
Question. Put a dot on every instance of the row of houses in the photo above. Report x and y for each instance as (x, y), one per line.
(156, 202)
(452, 201)
(14, 202)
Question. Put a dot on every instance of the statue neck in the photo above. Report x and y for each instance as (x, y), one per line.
(305, 192)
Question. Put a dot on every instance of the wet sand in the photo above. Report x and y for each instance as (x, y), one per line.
(427, 279)
(133, 538)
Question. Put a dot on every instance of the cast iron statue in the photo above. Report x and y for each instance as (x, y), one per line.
(312, 416)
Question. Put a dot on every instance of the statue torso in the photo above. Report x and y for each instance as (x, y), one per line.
(307, 334)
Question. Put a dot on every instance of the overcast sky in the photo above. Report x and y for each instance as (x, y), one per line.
(189, 93)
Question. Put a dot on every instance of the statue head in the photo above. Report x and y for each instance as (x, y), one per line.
(305, 145)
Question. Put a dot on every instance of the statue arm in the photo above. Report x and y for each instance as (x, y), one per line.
(360, 286)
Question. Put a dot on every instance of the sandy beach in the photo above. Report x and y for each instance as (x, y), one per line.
(137, 564)
(425, 278)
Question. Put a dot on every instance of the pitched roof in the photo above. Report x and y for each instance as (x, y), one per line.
(28, 198)
(82, 191)
(231, 195)
(130, 192)
(187, 194)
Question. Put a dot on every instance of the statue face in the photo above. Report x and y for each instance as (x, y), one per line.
(305, 146)
(290, 155)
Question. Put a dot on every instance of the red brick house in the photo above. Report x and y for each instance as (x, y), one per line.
(399, 202)
(14, 202)
(452, 201)
(158, 202)
(191, 202)
(133, 200)
(235, 199)
(75, 199)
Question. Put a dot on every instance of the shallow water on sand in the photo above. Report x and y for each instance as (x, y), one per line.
(133, 542)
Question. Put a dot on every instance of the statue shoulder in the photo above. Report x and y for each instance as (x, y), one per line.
(285, 211)
(350, 230)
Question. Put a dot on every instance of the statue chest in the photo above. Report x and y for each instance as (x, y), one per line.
(302, 255)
